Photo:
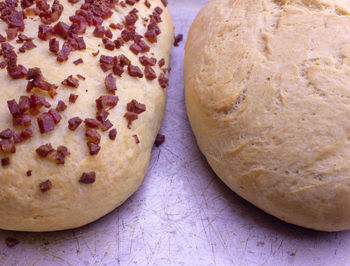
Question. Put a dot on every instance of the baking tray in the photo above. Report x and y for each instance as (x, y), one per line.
(182, 214)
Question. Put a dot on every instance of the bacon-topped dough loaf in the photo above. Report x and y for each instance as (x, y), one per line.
(83, 88)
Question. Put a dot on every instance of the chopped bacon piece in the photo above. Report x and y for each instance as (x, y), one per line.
(23, 120)
(161, 62)
(23, 135)
(16, 72)
(118, 42)
(29, 172)
(99, 31)
(45, 32)
(105, 125)
(91, 123)
(26, 3)
(55, 115)
(165, 2)
(136, 107)
(54, 45)
(104, 59)
(71, 82)
(151, 35)
(150, 74)
(45, 186)
(158, 10)
(27, 46)
(44, 150)
(112, 134)
(130, 117)
(163, 81)
(61, 29)
(5, 161)
(46, 123)
(93, 148)
(64, 53)
(14, 108)
(178, 39)
(88, 178)
(74, 123)
(73, 98)
(24, 103)
(8, 146)
(136, 139)
(109, 34)
(81, 43)
(36, 102)
(61, 106)
(93, 136)
(159, 140)
(15, 20)
(110, 83)
(37, 81)
(106, 102)
(60, 154)
(7, 133)
(53, 15)
(23, 38)
(3, 64)
(135, 71)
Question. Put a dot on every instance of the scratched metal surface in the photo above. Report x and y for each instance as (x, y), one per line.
(182, 214)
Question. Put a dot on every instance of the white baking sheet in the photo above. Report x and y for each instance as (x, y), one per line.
(182, 214)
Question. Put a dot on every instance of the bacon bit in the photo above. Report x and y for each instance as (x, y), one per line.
(24, 104)
(16, 72)
(93, 148)
(158, 10)
(5, 161)
(130, 117)
(117, 26)
(109, 34)
(105, 67)
(61, 29)
(23, 135)
(150, 74)
(135, 71)
(61, 106)
(99, 31)
(122, 4)
(93, 136)
(110, 83)
(163, 81)
(73, 98)
(14, 108)
(38, 81)
(32, 11)
(159, 140)
(91, 123)
(2, 39)
(74, 123)
(106, 102)
(44, 150)
(45, 32)
(53, 15)
(45, 186)
(105, 125)
(23, 120)
(104, 59)
(112, 134)
(64, 53)
(29, 172)
(81, 77)
(147, 61)
(3, 64)
(11, 242)
(151, 35)
(7, 133)
(109, 45)
(26, 3)
(71, 82)
(166, 70)
(118, 70)
(81, 43)
(165, 2)
(23, 38)
(130, 2)
(101, 115)
(59, 156)
(118, 43)
(27, 46)
(161, 62)
(36, 102)
(136, 107)
(128, 35)
(135, 49)
(7, 146)
(15, 20)
(136, 139)
(178, 39)
(54, 45)
(55, 115)
(88, 178)
(46, 123)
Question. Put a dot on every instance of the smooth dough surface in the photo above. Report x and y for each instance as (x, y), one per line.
(268, 98)
(120, 165)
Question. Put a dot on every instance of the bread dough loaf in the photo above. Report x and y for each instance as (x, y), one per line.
(96, 177)
(268, 98)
